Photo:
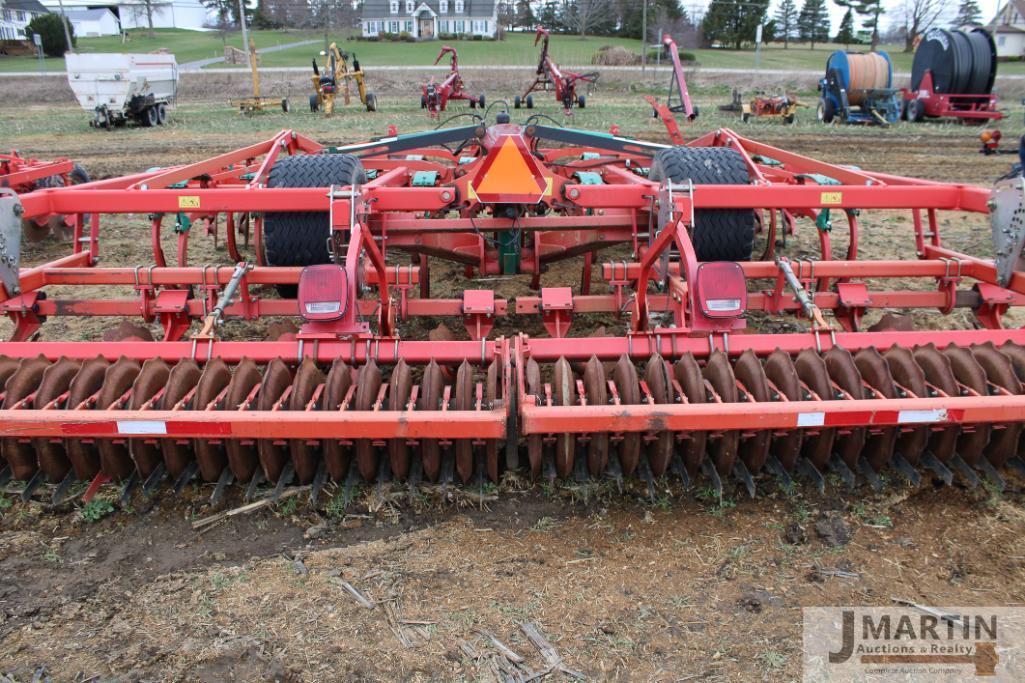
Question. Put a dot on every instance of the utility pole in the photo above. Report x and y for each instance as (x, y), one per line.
(242, 22)
(64, 23)
(327, 23)
(644, 36)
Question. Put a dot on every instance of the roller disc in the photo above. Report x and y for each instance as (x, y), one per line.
(754, 450)
(336, 456)
(779, 369)
(273, 456)
(127, 331)
(183, 378)
(399, 388)
(906, 372)
(53, 458)
(210, 457)
(936, 367)
(597, 393)
(844, 372)
(968, 372)
(812, 370)
(115, 461)
(368, 385)
(656, 376)
(84, 456)
(1016, 354)
(242, 457)
(282, 330)
(151, 379)
(564, 393)
(532, 378)
(432, 388)
(719, 374)
(624, 376)
(464, 400)
(21, 455)
(304, 456)
(491, 445)
(1003, 443)
(873, 369)
(688, 375)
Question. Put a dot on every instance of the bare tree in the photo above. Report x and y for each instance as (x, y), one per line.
(917, 17)
(587, 16)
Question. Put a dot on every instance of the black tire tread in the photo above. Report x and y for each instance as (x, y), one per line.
(718, 234)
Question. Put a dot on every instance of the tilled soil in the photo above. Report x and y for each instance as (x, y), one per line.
(632, 585)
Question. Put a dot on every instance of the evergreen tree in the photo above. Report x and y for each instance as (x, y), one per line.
(846, 33)
(968, 14)
(813, 22)
(786, 22)
(733, 22)
(524, 15)
(871, 10)
(631, 17)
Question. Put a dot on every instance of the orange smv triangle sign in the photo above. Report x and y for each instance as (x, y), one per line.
(508, 176)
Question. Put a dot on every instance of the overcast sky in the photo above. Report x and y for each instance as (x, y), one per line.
(989, 8)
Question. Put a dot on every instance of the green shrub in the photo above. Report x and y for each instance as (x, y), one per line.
(50, 28)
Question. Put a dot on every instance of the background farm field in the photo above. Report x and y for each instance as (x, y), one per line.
(626, 585)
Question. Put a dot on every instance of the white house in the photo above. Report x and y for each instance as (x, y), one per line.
(188, 14)
(426, 19)
(1008, 29)
(91, 23)
(16, 15)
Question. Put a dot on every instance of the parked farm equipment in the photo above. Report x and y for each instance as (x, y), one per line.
(782, 106)
(678, 99)
(337, 74)
(551, 77)
(684, 389)
(20, 175)
(952, 76)
(257, 103)
(117, 88)
(858, 88)
(435, 96)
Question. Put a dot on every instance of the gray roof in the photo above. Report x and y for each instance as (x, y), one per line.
(474, 8)
(26, 5)
(86, 14)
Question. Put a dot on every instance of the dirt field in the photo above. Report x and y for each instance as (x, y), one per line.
(419, 586)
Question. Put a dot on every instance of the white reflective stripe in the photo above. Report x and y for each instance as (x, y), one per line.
(811, 419)
(141, 427)
(936, 415)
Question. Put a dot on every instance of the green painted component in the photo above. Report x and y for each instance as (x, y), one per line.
(371, 173)
(467, 160)
(590, 156)
(509, 251)
(820, 179)
(247, 176)
(766, 161)
(182, 223)
(588, 178)
(822, 222)
(425, 178)
(591, 133)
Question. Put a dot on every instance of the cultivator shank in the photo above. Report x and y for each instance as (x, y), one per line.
(349, 389)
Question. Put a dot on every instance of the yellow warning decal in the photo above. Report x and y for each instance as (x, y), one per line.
(189, 202)
(549, 182)
(832, 198)
(471, 192)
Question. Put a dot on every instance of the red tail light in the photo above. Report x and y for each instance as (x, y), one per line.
(722, 289)
(323, 293)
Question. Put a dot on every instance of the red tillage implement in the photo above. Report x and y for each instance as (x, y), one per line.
(552, 77)
(684, 389)
(21, 174)
(435, 96)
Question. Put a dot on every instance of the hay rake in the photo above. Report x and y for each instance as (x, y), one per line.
(345, 236)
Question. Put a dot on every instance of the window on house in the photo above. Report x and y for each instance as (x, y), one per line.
(459, 6)
(409, 6)
(21, 15)
(443, 26)
(460, 26)
(394, 27)
(7, 15)
(443, 6)
(1001, 40)
(395, 7)
(409, 26)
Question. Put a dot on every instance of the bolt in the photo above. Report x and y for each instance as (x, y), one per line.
(446, 195)
(574, 193)
(18, 209)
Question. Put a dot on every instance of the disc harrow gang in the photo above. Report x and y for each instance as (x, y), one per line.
(341, 389)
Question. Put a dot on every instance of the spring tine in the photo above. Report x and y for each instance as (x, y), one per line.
(5, 475)
(708, 469)
(94, 486)
(255, 481)
(153, 480)
(991, 473)
(129, 488)
(186, 476)
(840, 468)
(222, 485)
(776, 467)
(870, 474)
(967, 473)
(644, 472)
(741, 473)
(32, 485)
(319, 479)
(809, 470)
(900, 463)
(1017, 465)
(287, 474)
(62, 488)
(937, 468)
(615, 472)
(676, 467)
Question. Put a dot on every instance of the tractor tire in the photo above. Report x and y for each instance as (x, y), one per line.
(78, 175)
(718, 234)
(745, 117)
(33, 231)
(371, 102)
(916, 111)
(423, 101)
(150, 117)
(480, 101)
(299, 238)
(581, 101)
(790, 119)
(285, 106)
(161, 114)
(314, 104)
(530, 101)
(516, 102)
(826, 110)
